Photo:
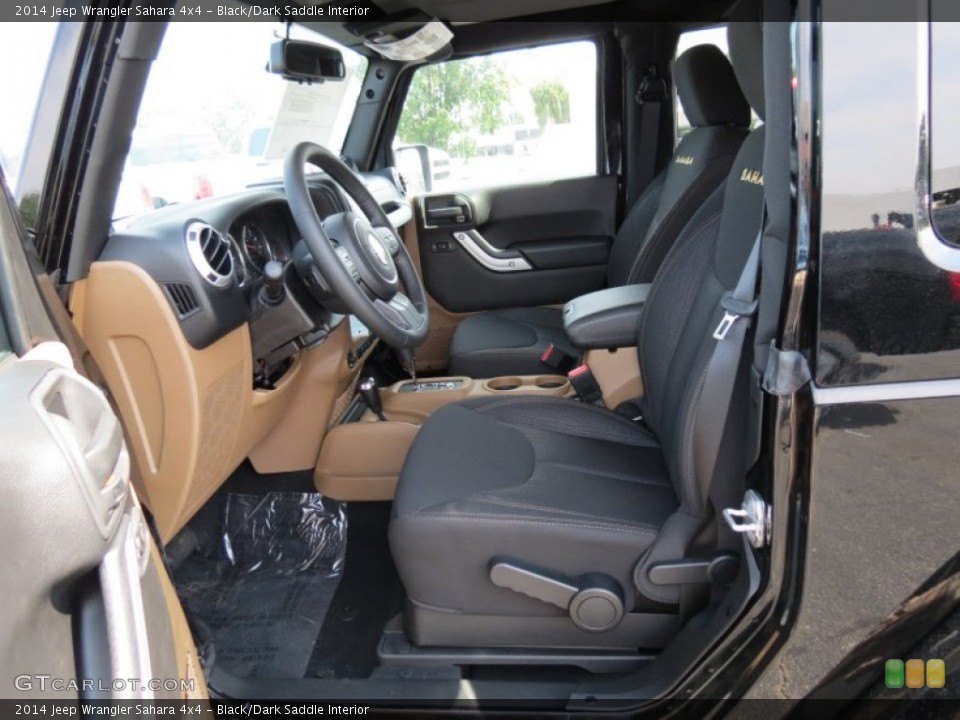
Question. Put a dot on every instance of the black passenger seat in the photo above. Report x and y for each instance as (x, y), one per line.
(511, 341)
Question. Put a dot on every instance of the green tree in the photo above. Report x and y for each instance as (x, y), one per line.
(30, 209)
(551, 102)
(452, 98)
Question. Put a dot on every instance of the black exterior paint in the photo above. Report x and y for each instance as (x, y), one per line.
(879, 508)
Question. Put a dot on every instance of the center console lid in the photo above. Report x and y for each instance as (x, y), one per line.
(606, 318)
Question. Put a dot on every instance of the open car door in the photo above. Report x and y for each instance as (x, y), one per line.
(89, 611)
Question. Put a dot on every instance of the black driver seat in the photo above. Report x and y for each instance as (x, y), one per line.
(496, 491)
(510, 341)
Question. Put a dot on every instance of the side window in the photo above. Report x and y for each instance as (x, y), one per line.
(704, 36)
(944, 116)
(510, 117)
(25, 46)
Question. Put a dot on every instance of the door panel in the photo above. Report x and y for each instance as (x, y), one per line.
(537, 244)
(85, 591)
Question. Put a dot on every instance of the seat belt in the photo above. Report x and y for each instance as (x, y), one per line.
(739, 306)
(650, 95)
(720, 377)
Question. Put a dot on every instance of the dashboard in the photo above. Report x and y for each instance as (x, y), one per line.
(207, 366)
(209, 258)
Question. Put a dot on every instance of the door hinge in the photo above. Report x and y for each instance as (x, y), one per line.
(752, 519)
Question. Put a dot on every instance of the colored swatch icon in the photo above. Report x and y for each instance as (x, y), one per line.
(893, 673)
(912, 673)
(936, 673)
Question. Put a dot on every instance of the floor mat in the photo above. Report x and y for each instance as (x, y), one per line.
(261, 585)
(369, 595)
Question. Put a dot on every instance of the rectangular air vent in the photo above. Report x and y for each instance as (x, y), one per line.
(183, 298)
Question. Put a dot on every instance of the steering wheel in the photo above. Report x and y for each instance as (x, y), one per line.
(360, 255)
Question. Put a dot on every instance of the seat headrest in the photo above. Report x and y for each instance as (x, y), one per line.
(708, 88)
(745, 39)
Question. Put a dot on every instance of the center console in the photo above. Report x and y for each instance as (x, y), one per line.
(362, 460)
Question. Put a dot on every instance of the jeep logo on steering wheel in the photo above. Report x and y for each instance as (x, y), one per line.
(379, 251)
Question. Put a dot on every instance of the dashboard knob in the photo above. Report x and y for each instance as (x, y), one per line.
(273, 290)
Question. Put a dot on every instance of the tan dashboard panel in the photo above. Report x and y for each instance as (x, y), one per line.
(318, 396)
(617, 373)
(191, 415)
(434, 353)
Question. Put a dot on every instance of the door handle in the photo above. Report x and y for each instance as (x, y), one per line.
(446, 210)
(443, 212)
(84, 426)
(489, 257)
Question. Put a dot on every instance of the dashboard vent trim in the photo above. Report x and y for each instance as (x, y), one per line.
(210, 252)
(183, 297)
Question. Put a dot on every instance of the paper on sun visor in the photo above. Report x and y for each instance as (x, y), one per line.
(306, 112)
(423, 43)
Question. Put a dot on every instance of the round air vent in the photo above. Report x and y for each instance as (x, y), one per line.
(210, 253)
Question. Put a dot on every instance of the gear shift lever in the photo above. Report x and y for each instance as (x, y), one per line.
(371, 396)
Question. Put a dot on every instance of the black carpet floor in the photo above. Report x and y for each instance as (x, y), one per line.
(368, 596)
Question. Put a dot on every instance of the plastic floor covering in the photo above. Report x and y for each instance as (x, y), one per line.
(261, 585)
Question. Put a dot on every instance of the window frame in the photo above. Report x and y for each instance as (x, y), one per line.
(953, 243)
(601, 141)
(938, 250)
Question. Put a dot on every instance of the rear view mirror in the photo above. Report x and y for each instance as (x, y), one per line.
(306, 61)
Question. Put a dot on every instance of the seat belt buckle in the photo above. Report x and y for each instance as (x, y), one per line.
(557, 359)
(723, 328)
(733, 310)
(586, 385)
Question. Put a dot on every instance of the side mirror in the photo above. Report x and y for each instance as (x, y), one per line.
(306, 61)
(413, 165)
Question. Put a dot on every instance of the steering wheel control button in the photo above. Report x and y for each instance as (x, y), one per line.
(389, 240)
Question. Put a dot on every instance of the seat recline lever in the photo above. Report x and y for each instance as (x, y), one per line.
(593, 600)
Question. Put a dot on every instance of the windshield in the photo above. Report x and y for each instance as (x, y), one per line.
(213, 120)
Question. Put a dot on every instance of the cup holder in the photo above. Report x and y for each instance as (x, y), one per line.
(549, 383)
(545, 384)
(502, 384)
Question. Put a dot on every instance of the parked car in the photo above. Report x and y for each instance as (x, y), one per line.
(629, 423)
